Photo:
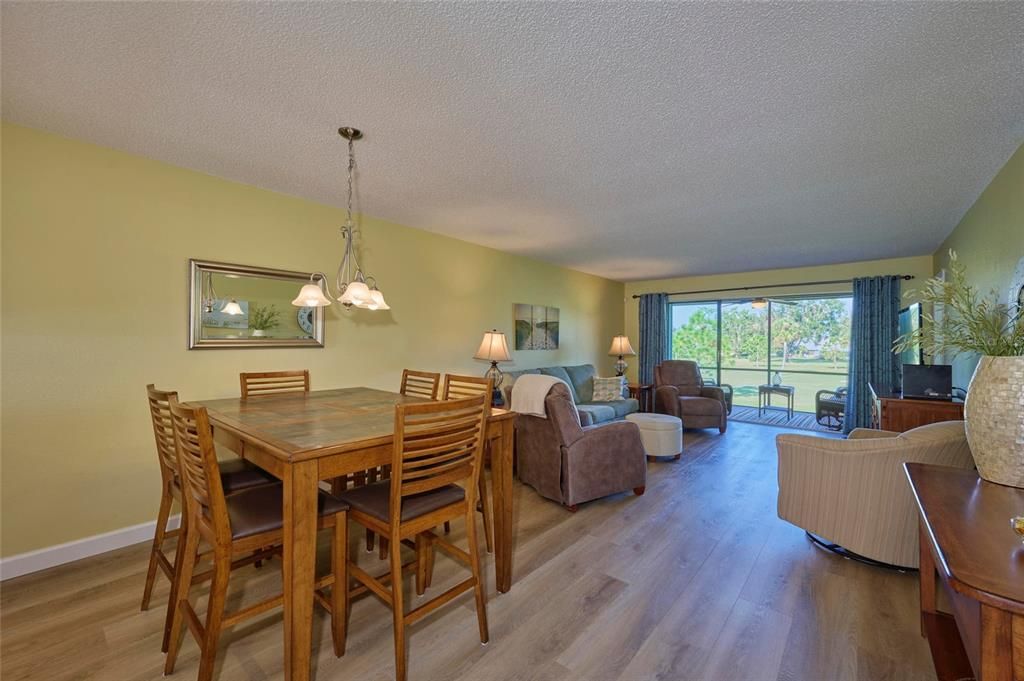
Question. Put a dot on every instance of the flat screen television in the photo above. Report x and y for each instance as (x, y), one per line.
(932, 382)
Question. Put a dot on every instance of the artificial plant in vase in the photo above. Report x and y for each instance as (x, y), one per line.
(263, 318)
(971, 323)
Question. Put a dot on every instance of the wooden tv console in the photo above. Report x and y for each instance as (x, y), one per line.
(891, 411)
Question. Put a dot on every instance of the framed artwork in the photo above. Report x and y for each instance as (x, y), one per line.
(536, 327)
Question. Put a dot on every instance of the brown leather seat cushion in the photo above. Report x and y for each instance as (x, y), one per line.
(258, 509)
(236, 474)
(373, 500)
(700, 406)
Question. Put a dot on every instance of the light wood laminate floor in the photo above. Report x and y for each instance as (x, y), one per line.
(696, 580)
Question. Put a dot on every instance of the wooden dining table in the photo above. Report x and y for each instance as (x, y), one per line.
(304, 437)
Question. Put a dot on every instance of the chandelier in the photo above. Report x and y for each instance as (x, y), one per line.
(354, 287)
(210, 298)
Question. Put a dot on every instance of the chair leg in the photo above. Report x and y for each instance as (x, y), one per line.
(369, 541)
(215, 612)
(478, 590)
(382, 547)
(398, 612)
(172, 597)
(339, 592)
(188, 564)
(370, 477)
(158, 541)
(447, 527)
(485, 508)
(428, 564)
(421, 563)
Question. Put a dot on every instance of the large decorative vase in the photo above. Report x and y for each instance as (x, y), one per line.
(994, 415)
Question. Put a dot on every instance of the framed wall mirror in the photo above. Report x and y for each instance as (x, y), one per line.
(238, 306)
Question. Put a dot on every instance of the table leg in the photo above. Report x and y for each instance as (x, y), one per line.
(501, 476)
(927, 577)
(299, 509)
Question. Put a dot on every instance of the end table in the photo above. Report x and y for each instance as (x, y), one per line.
(644, 394)
(764, 397)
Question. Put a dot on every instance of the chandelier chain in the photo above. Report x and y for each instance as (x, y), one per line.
(351, 171)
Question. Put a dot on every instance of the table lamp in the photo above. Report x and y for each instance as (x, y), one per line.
(494, 349)
(621, 347)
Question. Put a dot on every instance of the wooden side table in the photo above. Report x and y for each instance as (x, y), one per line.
(764, 397)
(643, 393)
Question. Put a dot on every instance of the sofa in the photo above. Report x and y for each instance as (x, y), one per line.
(679, 391)
(571, 464)
(854, 493)
(580, 380)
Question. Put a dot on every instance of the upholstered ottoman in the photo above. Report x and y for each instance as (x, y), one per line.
(661, 434)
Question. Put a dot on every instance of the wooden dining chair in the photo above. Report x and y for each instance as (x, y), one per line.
(237, 524)
(234, 475)
(435, 464)
(414, 384)
(457, 387)
(273, 382)
(420, 384)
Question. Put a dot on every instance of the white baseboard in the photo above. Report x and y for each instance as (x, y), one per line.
(52, 556)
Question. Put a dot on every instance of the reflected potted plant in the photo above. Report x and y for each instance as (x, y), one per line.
(972, 324)
(262, 318)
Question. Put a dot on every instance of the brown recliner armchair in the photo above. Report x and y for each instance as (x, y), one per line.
(571, 464)
(679, 391)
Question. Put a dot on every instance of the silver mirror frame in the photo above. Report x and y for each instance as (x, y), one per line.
(195, 342)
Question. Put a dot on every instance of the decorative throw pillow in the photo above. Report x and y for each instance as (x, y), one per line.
(608, 389)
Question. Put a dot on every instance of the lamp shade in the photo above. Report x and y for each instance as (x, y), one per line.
(311, 296)
(356, 293)
(493, 347)
(621, 346)
(232, 307)
(376, 301)
(759, 303)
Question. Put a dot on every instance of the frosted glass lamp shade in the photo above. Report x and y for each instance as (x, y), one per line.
(621, 346)
(311, 296)
(758, 303)
(493, 347)
(232, 307)
(356, 293)
(376, 301)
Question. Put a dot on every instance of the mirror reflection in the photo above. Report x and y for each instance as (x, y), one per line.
(240, 306)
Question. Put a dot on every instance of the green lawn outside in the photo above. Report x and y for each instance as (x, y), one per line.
(745, 381)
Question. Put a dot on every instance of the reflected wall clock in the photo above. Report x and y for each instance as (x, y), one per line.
(305, 319)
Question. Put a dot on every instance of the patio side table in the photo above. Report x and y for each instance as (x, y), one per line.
(764, 397)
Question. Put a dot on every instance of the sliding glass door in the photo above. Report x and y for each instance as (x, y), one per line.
(806, 340)
(695, 336)
(745, 357)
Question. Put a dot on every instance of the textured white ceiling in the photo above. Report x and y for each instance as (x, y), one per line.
(629, 140)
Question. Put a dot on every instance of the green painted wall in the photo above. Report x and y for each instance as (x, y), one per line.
(989, 240)
(95, 255)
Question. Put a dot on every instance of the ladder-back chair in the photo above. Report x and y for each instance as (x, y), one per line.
(241, 523)
(435, 465)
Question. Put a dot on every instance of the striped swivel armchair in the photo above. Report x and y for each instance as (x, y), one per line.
(853, 494)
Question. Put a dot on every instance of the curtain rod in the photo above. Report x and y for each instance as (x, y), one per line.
(904, 277)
